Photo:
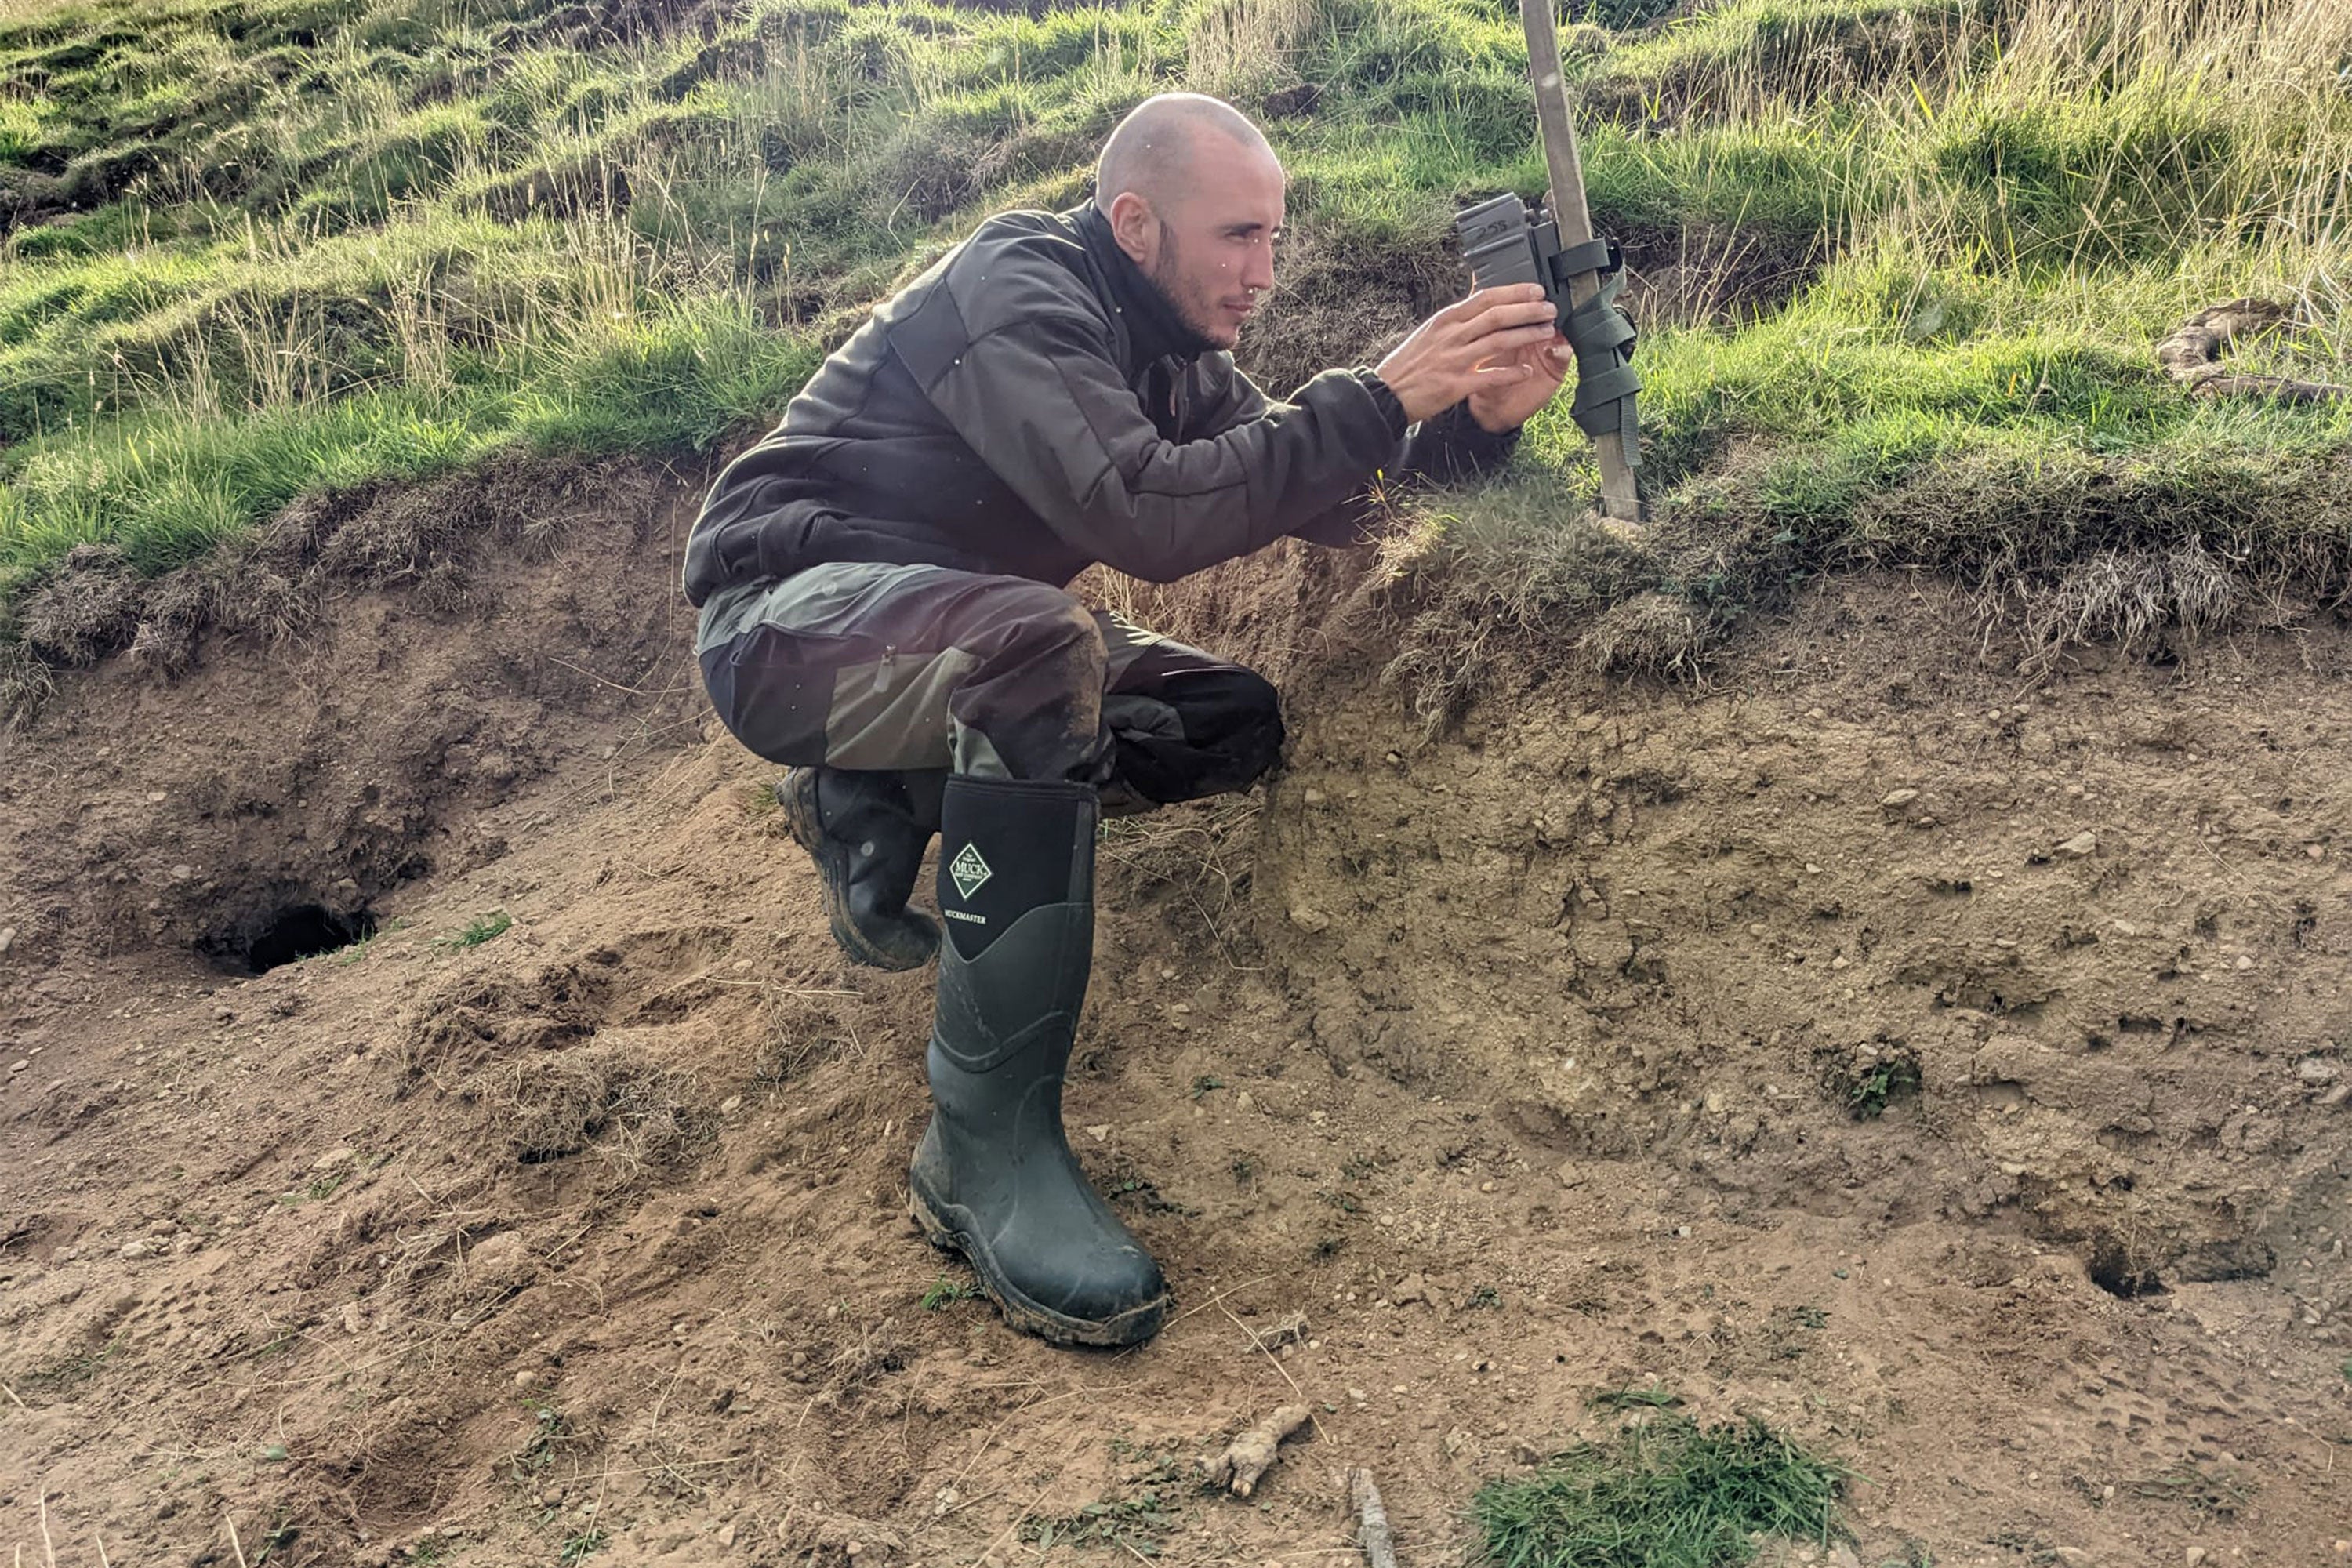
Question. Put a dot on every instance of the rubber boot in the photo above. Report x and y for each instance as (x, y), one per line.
(861, 831)
(994, 1177)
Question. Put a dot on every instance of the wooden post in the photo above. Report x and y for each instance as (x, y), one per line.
(1621, 491)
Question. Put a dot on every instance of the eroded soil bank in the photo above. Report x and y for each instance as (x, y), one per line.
(1943, 1065)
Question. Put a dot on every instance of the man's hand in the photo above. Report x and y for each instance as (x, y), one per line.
(1490, 348)
(1499, 409)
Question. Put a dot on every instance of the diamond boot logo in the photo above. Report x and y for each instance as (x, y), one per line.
(969, 870)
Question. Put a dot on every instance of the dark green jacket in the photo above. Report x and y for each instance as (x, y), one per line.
(1031, 406)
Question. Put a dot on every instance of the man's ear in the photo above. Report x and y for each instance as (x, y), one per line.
(1135, 227)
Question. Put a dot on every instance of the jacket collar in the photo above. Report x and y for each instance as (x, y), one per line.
(1155, 332)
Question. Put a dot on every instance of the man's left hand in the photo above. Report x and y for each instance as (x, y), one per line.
(1513, 401)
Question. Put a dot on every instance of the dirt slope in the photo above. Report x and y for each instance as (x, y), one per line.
(1516, 1065)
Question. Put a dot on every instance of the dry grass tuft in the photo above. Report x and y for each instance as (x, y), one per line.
(2131, 597)
(608, 1096)
(88, 606)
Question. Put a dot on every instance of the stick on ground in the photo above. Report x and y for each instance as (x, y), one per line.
(1373, 1520)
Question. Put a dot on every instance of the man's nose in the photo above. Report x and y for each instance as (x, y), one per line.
(1258, 272)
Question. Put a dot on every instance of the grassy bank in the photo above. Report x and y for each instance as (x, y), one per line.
(1902, 266)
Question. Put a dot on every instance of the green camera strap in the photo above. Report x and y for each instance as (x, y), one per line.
(1601, 335)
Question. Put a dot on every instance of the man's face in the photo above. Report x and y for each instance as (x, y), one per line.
(1210, 251)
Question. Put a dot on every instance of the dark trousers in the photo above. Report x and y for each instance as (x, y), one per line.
(912, 668)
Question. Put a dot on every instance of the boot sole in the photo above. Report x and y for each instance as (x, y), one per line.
(1129, 1328)
(800, 819)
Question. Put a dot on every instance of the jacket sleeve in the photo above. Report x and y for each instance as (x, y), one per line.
(1446, 449)
(1041, 401)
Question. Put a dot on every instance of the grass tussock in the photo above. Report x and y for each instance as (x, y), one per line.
(1901, 266)
(1662, 1493)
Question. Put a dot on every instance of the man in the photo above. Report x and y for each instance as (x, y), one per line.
(881, 586)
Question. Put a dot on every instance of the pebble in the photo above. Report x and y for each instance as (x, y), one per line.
(2194, 1555)
(7, 937)
(1898, 797)
(19, 1066)
(2318, 1069)
(726, 1533)
(1316, 797)
(1308, 919)
(154, 797)
(2082, 844)
(353, 1323)
(181, 872)
(730, 1105)
(138, 1249)
(1098, 1131)
(331, 1158)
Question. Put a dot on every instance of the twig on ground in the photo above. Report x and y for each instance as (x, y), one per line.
(49, 1550)
(234, 1544)
(1373, 1520)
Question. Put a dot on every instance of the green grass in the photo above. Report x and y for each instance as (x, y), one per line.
(1903, 264)
(946, 1292)
(1663, 1493)
(478, 930)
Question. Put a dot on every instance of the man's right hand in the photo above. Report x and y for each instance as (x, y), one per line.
(1469, 346)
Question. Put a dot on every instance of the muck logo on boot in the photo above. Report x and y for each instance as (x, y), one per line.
(969, 870)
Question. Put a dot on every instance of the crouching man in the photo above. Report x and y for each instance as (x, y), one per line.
(881, 587)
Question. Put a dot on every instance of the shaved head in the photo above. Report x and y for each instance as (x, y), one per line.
(1194, 197)
(1153, 151)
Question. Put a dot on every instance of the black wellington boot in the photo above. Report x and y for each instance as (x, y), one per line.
(994, 1177)
(862, 831)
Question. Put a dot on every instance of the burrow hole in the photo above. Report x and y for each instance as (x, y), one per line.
(286, 933)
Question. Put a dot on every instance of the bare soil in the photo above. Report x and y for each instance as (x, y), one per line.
(1942, 1066)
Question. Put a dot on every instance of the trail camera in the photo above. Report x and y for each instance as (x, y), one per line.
(1507, 242)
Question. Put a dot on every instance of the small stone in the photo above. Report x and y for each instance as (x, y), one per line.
(1896, 798)
(154, 797)
(2073, 1556)
(181, 872)
(730, 1105)
(7, 937)
(1357, 1395)
(2337, 1096)
(134, 1250)
(2193, 1556)
(2082, 844)
(353, 1322)
(1841, 961)
(332, 1158)
(2318, 1069)
(1308, 919)
(1758, 927)
(525, 1378)
(1098, 1131)
(1316, 797)
(19, 1066)
(1242, 1102)
(726, 1533)
(853, 1548)
(2245, 962)
(1682, 1233)
(2316, 851)
(1412, 1287)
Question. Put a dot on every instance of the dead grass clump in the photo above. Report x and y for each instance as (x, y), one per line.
(2130, 598)
(478, 1016)
(635, 1113)
(24, 683)
(88, 606)
(801, 1029)
(1656, 634)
